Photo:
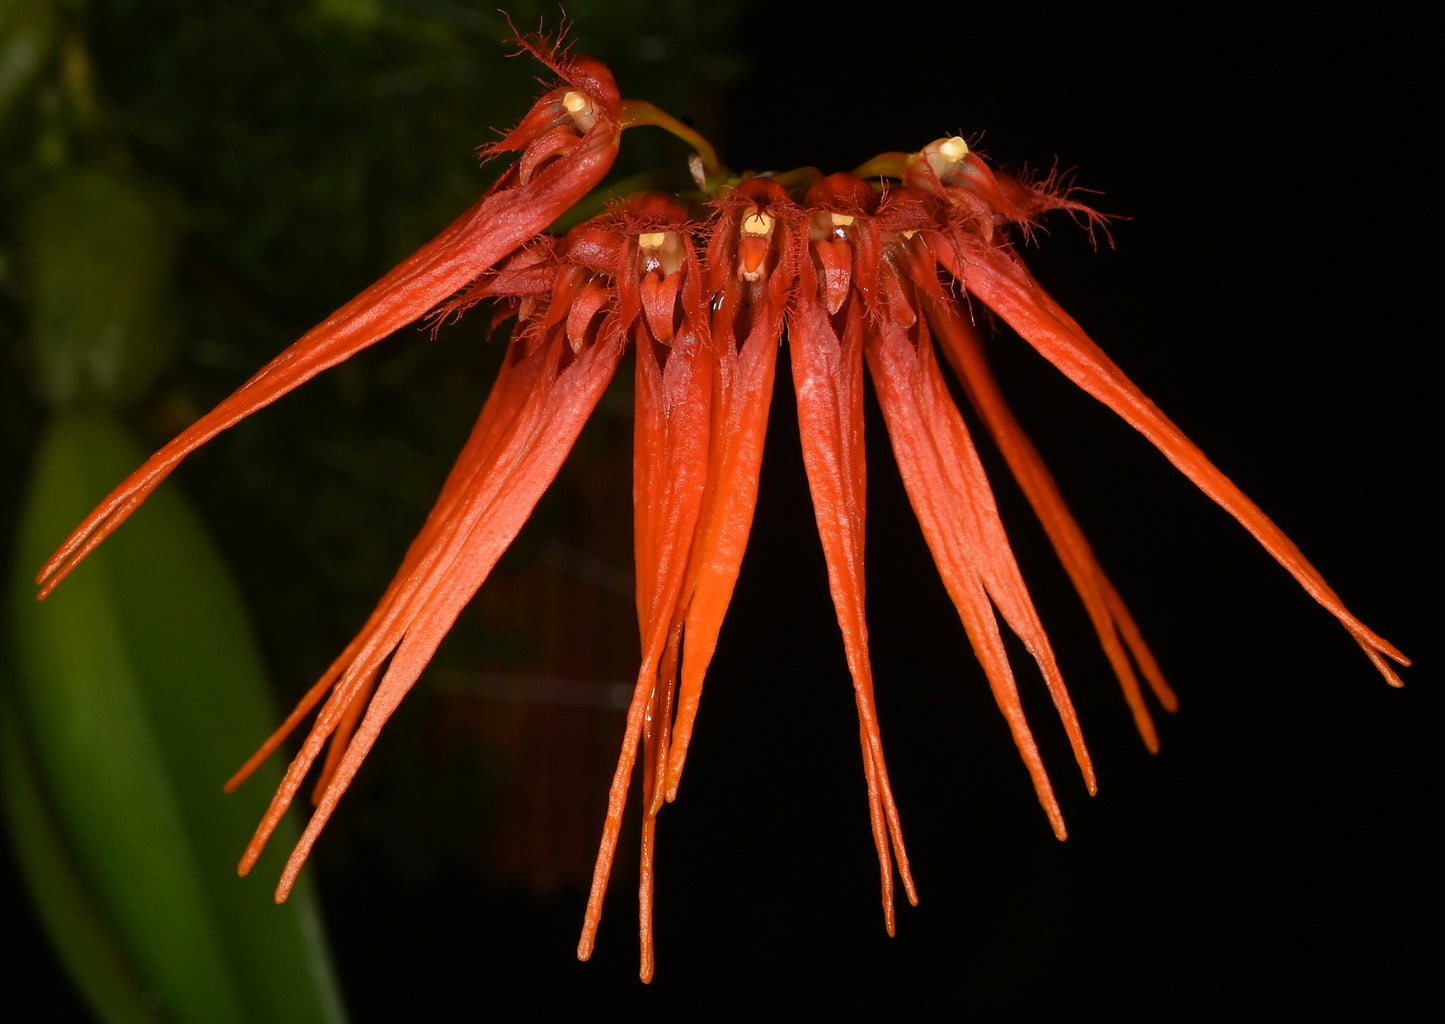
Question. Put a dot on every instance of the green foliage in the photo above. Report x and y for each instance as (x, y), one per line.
(97, 262)
(137, 690)
(27, 33)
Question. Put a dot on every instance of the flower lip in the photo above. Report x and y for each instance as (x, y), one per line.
(660, 252)
(656, 228)
(751, 214)
(835, 204)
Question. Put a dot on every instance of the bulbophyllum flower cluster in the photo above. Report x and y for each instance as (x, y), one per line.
(882, 268)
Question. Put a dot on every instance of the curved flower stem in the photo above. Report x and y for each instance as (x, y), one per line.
(884, 165)
(798, 180)
(638, 112)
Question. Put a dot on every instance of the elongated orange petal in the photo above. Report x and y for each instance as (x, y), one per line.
(670, 459)
(366, 654)
(509, 392)
(742, 393)
(955, 508)
(517, 458)
(747, 326)
(993, 553)
(1003, 284)
(828, 380)
(1110, 618)
(516, 208)
(646, 251)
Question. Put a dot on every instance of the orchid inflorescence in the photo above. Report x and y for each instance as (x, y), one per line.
(879, 267)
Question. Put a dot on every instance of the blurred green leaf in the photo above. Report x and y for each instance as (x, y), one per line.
(84, 940)
(97, 260)
(138, 691)
(27, 34)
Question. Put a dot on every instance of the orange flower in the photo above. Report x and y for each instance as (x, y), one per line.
(867, 269)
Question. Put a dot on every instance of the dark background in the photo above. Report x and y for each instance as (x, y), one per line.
(1264, 288)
